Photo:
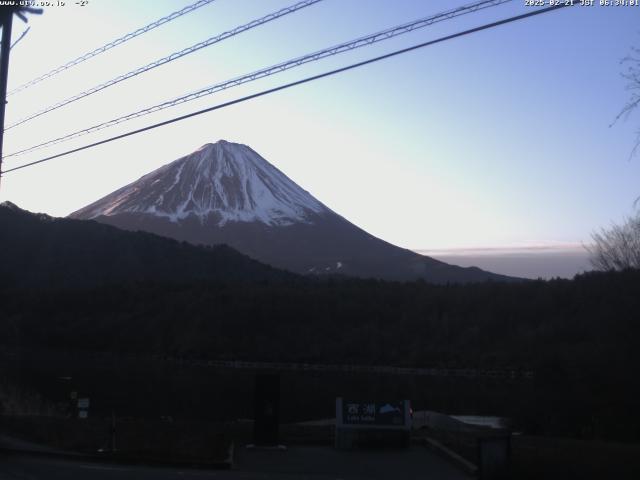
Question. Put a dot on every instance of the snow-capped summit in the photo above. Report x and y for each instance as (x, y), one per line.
(220, 182)
(226, 193)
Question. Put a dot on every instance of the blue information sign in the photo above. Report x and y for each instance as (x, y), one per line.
(373, 412)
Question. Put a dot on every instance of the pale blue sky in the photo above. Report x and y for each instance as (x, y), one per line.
(496, 139)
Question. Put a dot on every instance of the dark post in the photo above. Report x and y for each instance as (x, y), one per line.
(113, 431)
(7, 20)
(494, 457)
(267, 410)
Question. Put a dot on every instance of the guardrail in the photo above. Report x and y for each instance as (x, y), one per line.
(427, 371)
(506, 373)
(480, 450)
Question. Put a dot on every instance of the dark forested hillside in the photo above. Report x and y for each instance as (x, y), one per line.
(42, 251)
(140, 292)
(590, 319)
(144, 294)
(579, 336)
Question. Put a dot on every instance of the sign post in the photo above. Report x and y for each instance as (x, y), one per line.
(83, 407)
(360, 422)
(267, 410)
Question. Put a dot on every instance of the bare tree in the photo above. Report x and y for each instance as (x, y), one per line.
(618, 247)
(632, 75)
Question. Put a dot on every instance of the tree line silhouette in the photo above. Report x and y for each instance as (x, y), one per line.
(578, 336)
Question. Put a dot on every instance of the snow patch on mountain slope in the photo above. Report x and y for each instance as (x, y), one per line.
(224, 181)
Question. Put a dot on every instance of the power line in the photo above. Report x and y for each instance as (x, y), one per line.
(170, 58)
(296, 83)
(280, 67)
(112, 44)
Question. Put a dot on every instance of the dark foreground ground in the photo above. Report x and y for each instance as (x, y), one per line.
(318, 463)
(310, 455)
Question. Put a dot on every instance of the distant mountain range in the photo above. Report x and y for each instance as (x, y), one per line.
(225, 193)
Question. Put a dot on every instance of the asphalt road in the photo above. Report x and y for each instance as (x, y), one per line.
(317, 463)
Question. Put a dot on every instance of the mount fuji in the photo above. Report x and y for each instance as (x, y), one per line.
(226, 193)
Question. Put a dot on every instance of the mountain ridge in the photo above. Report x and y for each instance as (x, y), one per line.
(228, 180)
(48, 252)
(226, 192)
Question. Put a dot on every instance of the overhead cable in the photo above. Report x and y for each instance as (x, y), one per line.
(274, 69)
(112, 44)
(296, 83)
(169, 58)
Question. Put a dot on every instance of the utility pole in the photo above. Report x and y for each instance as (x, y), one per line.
(7, 20)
